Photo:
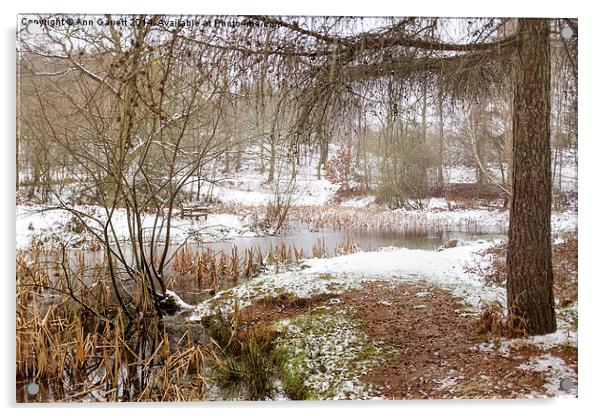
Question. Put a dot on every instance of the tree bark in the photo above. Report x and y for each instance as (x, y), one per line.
(529, 262)
(440, 148)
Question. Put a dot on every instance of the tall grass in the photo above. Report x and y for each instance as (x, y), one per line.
(243, 361)
(73, 339)
(93, 353)
(335, 218)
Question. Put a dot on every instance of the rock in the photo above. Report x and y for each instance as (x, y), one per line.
(172, 303)
(451, 243)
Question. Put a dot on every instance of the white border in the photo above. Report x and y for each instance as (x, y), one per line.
(589, 180)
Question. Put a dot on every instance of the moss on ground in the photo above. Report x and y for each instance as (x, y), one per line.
(324, 354)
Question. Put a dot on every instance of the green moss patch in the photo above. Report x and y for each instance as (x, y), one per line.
(324, 354)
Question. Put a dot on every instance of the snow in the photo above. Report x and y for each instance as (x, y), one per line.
(40, 223)
(248, 186)
(233, 223)
(554, 369)
(330, 353)
(445, 266)
(569, 175)
(439, 203)
(279, 393)
(564, 221)
(254, 191)
(564, 335)
(446, 383)
(384, 302)
(306, 195)
(343, 273)
(359, 202)
(464, 174)
(169, 294)
(459, 174)
(238, 196)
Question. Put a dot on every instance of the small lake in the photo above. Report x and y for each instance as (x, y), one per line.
(330, 241)
(308, 243)
(364, 239)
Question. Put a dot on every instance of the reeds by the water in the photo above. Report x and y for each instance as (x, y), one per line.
(74, 354)
(375, 218)
(214, 270)
(75, 342)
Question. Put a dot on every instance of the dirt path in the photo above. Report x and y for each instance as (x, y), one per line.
(438, 352)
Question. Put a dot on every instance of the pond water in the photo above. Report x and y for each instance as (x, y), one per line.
(299, 239)
(308, 243)
(364, 239)
(329, 242)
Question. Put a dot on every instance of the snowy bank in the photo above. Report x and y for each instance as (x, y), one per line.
(40, 223)
(344, 273)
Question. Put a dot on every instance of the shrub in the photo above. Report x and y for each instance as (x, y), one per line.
(339, 168)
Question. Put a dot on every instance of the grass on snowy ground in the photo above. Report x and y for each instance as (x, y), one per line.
(323, 355)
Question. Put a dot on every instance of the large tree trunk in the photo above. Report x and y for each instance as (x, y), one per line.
(529, 263)
(440, 156)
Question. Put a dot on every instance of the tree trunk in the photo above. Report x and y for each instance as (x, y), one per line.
(529, 262)
(423, 183)
(440, 156)
(261, 156)
(273, 148)
(323, 154)
(508, 146)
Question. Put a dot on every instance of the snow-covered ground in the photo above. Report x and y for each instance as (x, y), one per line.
(343, 273)
(249, 186)
(446, 268)
(329, 352)
(567, 179)
(359, 202)
(39, 223)
(254, 191)
(459, 174)
(554, 369)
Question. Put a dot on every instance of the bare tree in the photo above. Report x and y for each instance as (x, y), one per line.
(138, 118)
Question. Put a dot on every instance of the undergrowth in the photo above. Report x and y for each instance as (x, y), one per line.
(243, 362)
(564, 266)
